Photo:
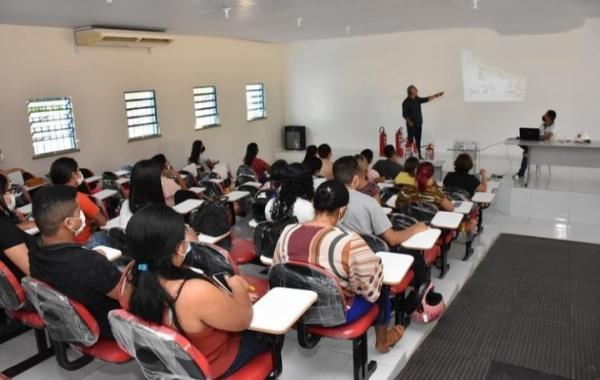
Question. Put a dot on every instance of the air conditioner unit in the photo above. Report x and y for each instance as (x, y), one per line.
(91, 36)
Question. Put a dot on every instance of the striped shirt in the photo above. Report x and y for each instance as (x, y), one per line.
(345, 255)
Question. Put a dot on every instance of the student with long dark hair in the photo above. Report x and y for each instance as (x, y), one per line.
(145, 188)
(278, 171)
(346, 255)
(259, 166)
(14, 241)
(197, 158)
(295, 196)
(311, 152)
(170, 179)
(160, 289)
(408, 174)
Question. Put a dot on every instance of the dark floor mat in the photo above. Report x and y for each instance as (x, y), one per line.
(530, 311)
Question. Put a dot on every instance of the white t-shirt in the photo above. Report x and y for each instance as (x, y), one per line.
(548, 129)
(125, 214)
(303, 210)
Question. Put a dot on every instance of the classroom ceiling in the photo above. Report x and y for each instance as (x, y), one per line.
(294, 20)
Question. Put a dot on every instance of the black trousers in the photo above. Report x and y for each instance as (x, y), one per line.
(414, 134)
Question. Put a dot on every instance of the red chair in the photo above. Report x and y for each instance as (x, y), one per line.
(327, 316)
(162, 353)
(13, 300)
(242, 251)
(70, 324)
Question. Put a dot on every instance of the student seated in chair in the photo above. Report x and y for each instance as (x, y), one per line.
(170, 179)
(364, 185)
(197, 156)
(390, 167)
(325, 154)
(160, 289)
(372, 175)
(65, 171)
(407, 177)
(311, 152)
(14, 241)
(461, 177)
(295, 196)
(278, 170)
(260, 167)
(425, 190)
(346, 255)
(365, 216)
(84, 275)
(145, 188)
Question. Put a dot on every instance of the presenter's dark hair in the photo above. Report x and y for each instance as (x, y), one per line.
(409, 88)
(368, 154)
(324, 150)
(552, 114)
(344, 169)
(62, 170)
(330, 196)
(389, 151)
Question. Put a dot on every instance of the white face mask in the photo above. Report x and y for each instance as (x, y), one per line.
(11, 203)
(79, 179)
(82, 227)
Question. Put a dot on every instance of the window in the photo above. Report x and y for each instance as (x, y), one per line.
(51, 125)
(205, 107)
(255, 101)
(142, 119)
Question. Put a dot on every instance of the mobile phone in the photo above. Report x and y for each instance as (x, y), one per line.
(220, 280)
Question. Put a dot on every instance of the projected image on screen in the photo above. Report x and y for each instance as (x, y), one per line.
(485, 83)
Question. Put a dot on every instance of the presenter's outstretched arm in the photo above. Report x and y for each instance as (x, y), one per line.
(435, 96)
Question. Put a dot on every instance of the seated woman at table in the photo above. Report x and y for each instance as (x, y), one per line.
(372, 175)
(346, 255)
(461, 177)
(295, 196)
(259, 166)
(425, 190)
(364, 185)
(408, 174)
(14, 241)
(311, 152)
(145, 188)
(170, 179)
(278, 170)
(197, 156)
(159, 288)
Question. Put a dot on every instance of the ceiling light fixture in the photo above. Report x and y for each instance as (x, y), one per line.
(348, 29)
(299, 22)
(226, 11)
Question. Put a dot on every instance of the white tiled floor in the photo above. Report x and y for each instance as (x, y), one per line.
(332, 359)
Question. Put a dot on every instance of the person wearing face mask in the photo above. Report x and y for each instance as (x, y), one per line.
(547, 129)
(160, 288)
(197, 156)
(346, 255)
(65, 171)
(14, 241)
(81, 274)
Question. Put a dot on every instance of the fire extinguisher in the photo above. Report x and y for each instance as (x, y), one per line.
(382, 141)
(399, 138)
(429, 154)
(408, 153)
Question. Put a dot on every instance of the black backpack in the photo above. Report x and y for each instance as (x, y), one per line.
(266, 235)
(260, 202)
(213, 191)
(211, 218)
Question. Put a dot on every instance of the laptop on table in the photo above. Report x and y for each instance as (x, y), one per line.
(529, 134)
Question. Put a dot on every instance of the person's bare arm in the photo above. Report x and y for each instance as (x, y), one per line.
(395, 238)
(435, 96)
(483, 185)
(18, 255)
(99, 219)
(26, 225)
(547, 136)
(446, 205)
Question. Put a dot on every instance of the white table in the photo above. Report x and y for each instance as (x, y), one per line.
(237, 195)
(25, 209)
(492, 186)
(392, 201)
(33, 231)
(188, 206)
(483, 197)
(212, 239)
(383, 185)
(104, 194)
(447, 220)
(266, 261)
(121, 181)
(464, 207)
(423, 241)
(121, 173)
(560, 153)
(110, 253)
(277, 311)
(387, 210)
(197, 190)
(395, 266)
(92, 179)
(258, 185)
(112, 223)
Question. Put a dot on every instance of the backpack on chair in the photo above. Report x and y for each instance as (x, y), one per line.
(261, 198)
(212, 218)
(245, 174)
(266, 235)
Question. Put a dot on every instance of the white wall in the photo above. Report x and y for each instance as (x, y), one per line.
(343, 90)
(43, 62)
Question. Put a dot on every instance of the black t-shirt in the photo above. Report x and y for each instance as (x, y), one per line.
(411, 108)
(81, 274)
(463, 180)
(387, 168)
(11, 236)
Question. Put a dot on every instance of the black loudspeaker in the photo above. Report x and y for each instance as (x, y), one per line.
(294, 137)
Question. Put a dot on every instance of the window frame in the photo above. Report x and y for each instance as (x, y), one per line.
(157, 134)
(216, 108)
(264, 103)
(71, 126)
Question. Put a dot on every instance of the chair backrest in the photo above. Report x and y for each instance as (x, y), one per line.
(387, 192)
(330, 308)
(456, 193)
(245, 174)
(211, 259)
(401, 221)
(12, 295)
(376, 243)
(421, 211)
(66, 320)
(184, 195)
(160, 351)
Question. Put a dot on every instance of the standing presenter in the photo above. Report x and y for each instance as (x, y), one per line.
(411, 111)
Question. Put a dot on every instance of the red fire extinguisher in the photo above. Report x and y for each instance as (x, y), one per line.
(382, 141)
(429, 154)
(399, 139)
